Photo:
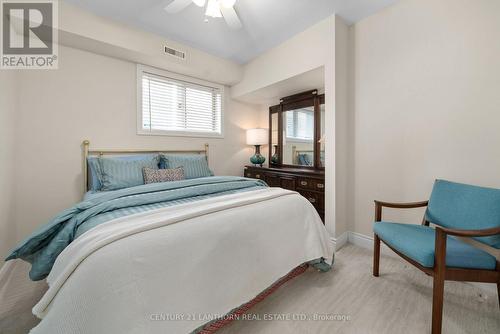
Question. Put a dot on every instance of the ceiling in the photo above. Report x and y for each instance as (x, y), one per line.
(266, 23)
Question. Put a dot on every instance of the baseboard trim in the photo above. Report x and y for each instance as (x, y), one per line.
(365, 241)
(341, 241)
(360, 240)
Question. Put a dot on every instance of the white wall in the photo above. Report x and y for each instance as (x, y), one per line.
(93, 97)
(342, 130)
(303, 52)
(426, 101)
(311, 49)
(8, 87)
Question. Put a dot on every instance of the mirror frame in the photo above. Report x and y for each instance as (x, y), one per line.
(306, 99)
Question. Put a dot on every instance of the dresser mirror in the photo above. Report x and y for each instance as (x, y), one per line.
(273, 119)
(296, 131)
(322, 135)
(298, 137)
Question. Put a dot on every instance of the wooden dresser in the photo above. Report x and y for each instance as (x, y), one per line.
(310, 183)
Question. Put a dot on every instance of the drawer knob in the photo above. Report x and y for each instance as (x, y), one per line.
(303, 183)
(312, 200)
(320, 185)
(249, 175)
(257, 176)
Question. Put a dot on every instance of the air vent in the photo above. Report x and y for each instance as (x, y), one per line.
(174, 52)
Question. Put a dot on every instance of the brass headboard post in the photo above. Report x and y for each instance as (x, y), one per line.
(88, 152)
(86, 145)
(206, 153)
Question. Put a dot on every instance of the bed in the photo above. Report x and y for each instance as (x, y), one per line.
(169, 257)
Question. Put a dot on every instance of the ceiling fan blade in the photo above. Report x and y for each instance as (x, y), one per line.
(177, 5)
(232, 19)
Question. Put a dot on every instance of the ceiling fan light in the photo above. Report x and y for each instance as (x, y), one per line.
(213, 9)
(199, 3)
(227, 3)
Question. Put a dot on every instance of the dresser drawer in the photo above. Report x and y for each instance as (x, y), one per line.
(273, 180)
(255, 175)
(288, 183)
(308, 183)
(311, 184)
(316, 199)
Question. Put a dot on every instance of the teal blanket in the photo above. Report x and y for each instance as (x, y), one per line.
(44, 245)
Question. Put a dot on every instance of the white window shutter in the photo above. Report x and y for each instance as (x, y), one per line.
(172, 105)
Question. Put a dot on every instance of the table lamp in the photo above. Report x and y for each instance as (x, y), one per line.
(257, 137)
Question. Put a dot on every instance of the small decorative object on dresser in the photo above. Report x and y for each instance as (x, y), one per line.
(310, 183)
(257, 137)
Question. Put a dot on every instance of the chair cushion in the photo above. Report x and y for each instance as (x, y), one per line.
(417, 243)
(465, 207)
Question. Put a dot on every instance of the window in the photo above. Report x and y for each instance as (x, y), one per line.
(170, 104)
(300, 125)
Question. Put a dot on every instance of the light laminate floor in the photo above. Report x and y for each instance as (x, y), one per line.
(399, 301)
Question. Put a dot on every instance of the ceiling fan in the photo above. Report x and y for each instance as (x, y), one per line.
(214, 8)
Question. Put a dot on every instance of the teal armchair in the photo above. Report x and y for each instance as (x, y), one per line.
(455, 210)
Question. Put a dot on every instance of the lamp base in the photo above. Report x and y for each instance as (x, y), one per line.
(257, 158)
(275, 157)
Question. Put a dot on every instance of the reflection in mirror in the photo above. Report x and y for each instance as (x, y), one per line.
(322, 136)
(274, 138)
(298, 137)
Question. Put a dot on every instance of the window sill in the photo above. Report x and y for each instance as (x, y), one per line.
(181, 134)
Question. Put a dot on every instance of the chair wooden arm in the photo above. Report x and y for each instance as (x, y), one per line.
(469, 233)
(440, 243)
(402, 205)
(379, 205)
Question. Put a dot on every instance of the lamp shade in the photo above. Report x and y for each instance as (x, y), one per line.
(257, 136)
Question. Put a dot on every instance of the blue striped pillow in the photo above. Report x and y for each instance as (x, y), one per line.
(119, 173)
(195, 165)
(94, 172)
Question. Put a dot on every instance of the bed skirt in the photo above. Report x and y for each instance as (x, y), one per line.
(215, 325)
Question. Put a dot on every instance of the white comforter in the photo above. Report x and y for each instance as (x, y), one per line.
(170, 270)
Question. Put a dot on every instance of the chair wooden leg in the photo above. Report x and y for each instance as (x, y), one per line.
(438, 284)
(376, 255)
(437, 304)
(498, 283)
(498, 293)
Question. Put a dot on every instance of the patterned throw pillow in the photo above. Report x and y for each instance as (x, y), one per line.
(162, 175)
